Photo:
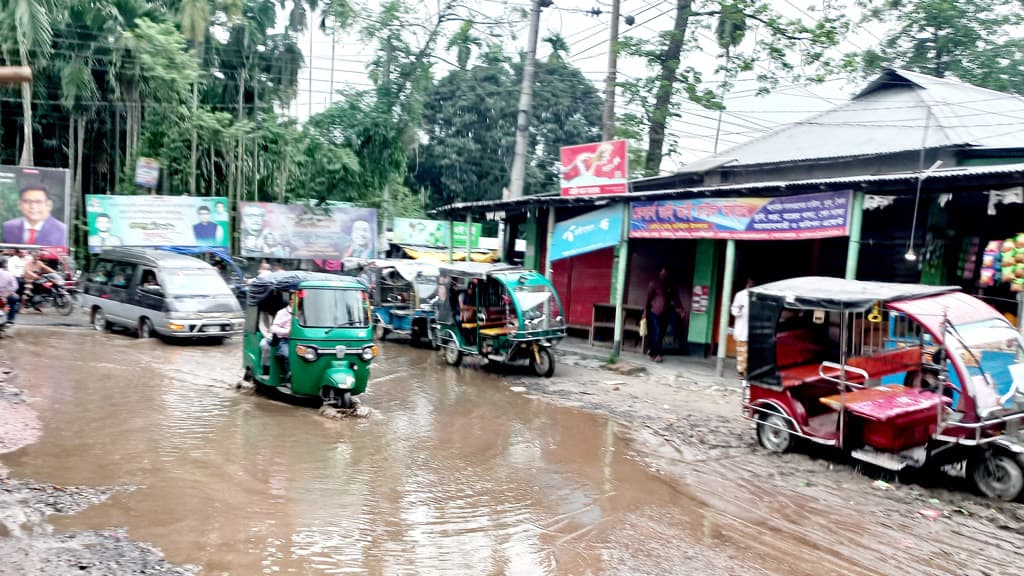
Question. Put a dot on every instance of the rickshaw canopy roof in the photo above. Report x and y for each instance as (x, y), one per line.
(477, 269)
(290, 280)
(824, 293)
(408, 269)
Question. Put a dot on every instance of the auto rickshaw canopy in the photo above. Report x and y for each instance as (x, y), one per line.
(824, 293)
(265, 286)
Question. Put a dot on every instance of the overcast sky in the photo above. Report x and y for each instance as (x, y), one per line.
(748, 115)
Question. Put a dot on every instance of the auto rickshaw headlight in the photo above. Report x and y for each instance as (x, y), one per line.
(307, 353)
(369, 353)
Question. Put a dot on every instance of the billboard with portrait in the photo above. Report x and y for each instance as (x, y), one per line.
(149, 220)
(33, 206)
(304, 231)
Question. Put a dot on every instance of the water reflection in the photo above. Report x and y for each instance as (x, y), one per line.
(454, 474)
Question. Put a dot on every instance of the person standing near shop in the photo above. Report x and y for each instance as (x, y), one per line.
(662, 300)
(741, 310)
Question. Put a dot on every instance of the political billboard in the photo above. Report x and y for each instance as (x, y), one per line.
(418, 232)
(304, 231)
(150, 220)
(34, 206)
(821, 215)
(595, 169)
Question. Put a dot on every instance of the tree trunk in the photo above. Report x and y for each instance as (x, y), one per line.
(659, 114)
(213, 173)
(117, 148)
(195, 139)
(26, 106)
(76, 198)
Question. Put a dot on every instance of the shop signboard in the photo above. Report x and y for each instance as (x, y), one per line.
(595, 169)
(33, 206)
(305, 231)
(418, 232)
(587, 233)
(148, 220)
(820, 215)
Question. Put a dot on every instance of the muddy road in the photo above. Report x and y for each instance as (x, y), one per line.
(455, 473)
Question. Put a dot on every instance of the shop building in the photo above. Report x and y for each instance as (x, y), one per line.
(911, 166)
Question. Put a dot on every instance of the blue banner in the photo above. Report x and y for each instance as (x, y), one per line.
(592, 231)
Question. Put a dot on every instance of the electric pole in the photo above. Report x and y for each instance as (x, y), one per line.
(518, 176)
(608, 121)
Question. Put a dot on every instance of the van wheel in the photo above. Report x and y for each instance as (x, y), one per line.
(99, 320)
(145, 328)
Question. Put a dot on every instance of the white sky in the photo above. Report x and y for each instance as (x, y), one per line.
(747, 115)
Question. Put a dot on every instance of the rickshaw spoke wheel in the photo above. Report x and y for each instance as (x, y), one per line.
(452, 355)
(999, 475)
(773, 433)
(543, 363)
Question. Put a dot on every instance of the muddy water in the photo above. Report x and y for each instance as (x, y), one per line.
(453, 473)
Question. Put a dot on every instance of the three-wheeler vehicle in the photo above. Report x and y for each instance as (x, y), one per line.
(906, 377)
(503, 313)
(330, 343)
(401, 293)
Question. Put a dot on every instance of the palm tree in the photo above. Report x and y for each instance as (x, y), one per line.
(463, 42)
(28, 22)
(195, 22)
(559, 47)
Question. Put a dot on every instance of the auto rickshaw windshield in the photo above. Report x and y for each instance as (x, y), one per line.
(539, 307)
(992, 352)
(332, 308)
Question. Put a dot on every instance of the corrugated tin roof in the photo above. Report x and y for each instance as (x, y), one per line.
(777, 188)
(890, 115)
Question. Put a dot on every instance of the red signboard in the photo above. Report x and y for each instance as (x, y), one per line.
(595, 169)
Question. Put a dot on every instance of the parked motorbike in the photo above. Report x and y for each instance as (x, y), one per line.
(50, 290)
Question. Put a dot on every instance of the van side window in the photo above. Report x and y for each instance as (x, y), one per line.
(101, 272)
(121, 275)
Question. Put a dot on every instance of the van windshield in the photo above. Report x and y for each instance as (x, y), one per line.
(193, 282)
(327, 308)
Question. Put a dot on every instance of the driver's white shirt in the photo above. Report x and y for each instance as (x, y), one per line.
(16, 266)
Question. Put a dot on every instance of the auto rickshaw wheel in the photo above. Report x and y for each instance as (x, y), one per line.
(379, 331)
(543, 362)
(998, 474)
(773, 432)
(342, 400)
(452, 355)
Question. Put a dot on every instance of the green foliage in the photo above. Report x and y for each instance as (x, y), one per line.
(976, 41)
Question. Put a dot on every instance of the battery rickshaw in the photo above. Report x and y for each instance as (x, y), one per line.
(502, 313)
(906, 377)
(330, 346)
(401, 293)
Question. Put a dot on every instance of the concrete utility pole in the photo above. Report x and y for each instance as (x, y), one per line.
(608, 120)
(518, 176)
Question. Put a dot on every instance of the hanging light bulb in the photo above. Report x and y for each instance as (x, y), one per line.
(910, 255)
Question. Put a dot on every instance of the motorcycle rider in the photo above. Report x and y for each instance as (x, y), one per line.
(9, 292)
(35, 269)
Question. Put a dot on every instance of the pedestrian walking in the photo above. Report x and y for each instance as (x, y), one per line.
(662, 300)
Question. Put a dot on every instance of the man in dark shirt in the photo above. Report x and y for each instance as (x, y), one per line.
(662, 299)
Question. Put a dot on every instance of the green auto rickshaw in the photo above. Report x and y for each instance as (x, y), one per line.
(330, 346)
(502, 313)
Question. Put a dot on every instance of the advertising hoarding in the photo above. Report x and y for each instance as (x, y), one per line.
(149, 220)
(419, 232)
(303, 231)
(595, 169)
(34, 206)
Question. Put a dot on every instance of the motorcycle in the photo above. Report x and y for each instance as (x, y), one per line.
(50, 289)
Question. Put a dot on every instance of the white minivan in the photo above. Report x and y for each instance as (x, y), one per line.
(158, 293)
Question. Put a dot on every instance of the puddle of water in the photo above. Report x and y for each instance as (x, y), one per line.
(452, 474)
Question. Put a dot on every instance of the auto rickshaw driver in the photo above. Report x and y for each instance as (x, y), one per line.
(280, 330)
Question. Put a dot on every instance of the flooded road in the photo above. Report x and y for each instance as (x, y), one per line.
(452, 473)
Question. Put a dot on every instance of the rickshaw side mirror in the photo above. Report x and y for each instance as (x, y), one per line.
(481, 317)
